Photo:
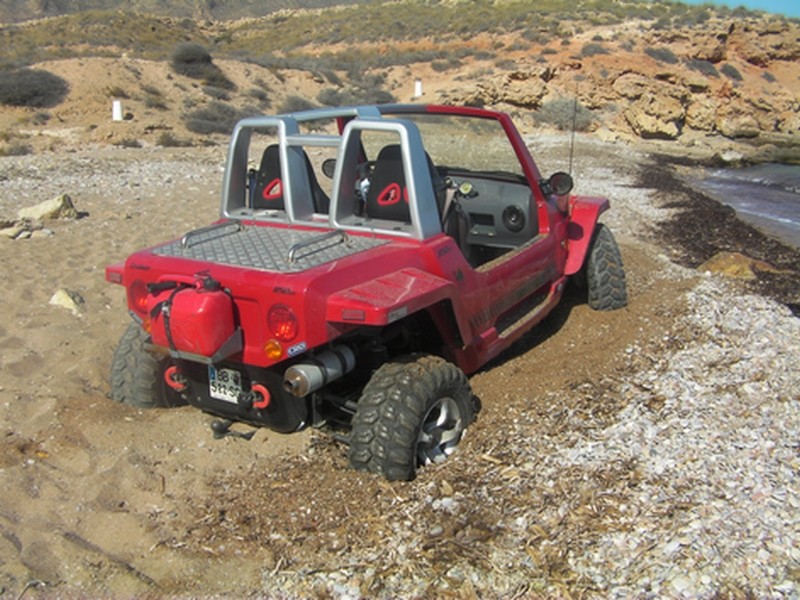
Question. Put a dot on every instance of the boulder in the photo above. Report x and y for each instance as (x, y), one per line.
(68, 299)
(656, 116)
(21, 229)
(12, 232)
(762, 43)
(734, 124)
(42, 234)
(712, 49)
(631, 85)
(57, 208)
(696, 82)
(789, 122)
(524, 89)
(736, 265)
(701, 113)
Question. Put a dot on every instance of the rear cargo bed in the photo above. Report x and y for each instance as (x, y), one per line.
(267, 248)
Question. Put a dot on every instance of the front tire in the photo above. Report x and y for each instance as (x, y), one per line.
(604, 274)
(412, 412)
(137, 376)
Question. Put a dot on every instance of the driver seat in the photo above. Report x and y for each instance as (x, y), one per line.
(387, 197)
(269, 186)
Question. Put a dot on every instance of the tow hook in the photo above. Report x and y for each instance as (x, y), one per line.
(175, 379)
(261, 396)
(222, 428)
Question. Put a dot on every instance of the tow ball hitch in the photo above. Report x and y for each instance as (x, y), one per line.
(222, 428)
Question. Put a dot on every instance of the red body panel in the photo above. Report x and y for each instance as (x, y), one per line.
(584, 213)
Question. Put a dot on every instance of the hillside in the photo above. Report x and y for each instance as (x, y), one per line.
(716, 83)
(14, 11)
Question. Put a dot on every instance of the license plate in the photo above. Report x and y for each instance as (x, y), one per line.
(224, 384)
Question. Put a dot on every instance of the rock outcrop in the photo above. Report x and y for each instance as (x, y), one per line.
(714, 80)
(60, 207)
(30, 220)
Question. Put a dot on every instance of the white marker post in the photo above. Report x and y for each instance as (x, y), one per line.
(116, 110)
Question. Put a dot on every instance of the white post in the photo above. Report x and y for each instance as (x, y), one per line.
(417, 88)
(116, 110)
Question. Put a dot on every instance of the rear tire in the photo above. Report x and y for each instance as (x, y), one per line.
(412, 412)
(137, 376)
(604, 274)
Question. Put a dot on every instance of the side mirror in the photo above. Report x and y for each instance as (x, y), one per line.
(328, 167)
(560, 183)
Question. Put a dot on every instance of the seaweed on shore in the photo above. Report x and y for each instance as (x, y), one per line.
(702, 227)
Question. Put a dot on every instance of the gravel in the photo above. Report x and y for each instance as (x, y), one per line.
(716, 506)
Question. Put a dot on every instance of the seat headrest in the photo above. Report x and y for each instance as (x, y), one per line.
(269, 187)
(388, 195)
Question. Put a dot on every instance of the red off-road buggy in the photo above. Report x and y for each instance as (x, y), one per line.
(366, 258)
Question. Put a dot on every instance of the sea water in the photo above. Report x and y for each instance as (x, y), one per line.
(767, 196)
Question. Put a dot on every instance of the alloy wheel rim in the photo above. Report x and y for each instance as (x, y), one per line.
(440, 432)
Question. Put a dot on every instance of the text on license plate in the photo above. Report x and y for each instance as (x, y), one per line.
(224, 384)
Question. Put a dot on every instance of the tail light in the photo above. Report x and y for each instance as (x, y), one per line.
(282, 322)
(137, 297)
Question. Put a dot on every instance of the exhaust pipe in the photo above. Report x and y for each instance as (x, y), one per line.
(308, 377)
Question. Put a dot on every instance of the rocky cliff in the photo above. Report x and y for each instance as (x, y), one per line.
(732, 78)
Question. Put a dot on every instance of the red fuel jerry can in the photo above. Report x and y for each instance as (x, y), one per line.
(196, 319)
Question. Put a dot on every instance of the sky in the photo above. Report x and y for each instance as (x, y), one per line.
(789, 8)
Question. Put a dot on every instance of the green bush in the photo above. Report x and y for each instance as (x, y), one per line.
(217, 117)
(769, 77)
(128, 143)
(664, 55)
(16, 148)
(331, 76)
(730, 72)
(155, 102)
(216, 93)
(662, 23)
(152, 90)
(506, 64)
(592, 50)
(117, 92)
(440, 66)
(167, 140)
(216, 78)
(331, 97)
(703, 66)
(192, 60)
(260, 95)
(565, 114)
(295, 104)
(32, 87)
(40, 118)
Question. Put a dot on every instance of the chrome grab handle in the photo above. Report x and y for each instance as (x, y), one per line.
(292, 255)
(234, 224)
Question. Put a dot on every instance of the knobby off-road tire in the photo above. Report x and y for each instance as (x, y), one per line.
(604, 274)
(412, 412)
(137, 376)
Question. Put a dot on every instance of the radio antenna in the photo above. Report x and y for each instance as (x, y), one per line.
(574, 125)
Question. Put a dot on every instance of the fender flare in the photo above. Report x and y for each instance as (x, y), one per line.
(394, 296)
(584, 213)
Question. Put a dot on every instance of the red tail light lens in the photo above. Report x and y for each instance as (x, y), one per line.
(282, 322)
(137, 297)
